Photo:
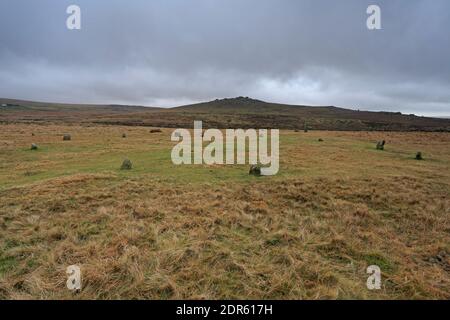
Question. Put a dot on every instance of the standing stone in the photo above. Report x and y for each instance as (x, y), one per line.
(126, 165)
(255, 170)
(380, 145)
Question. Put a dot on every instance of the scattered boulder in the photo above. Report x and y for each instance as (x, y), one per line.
(34, 146)
(126, 165)
(419, 156)
(255, 170)
(67, 137)
(155, 130)
(380, 145)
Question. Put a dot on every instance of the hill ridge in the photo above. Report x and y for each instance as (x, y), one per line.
(239, 112)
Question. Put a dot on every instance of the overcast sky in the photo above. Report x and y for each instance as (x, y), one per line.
(173, 52)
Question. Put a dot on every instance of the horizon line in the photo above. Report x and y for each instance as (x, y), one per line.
(124, 104)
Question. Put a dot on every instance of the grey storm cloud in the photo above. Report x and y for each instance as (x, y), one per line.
(172, 52)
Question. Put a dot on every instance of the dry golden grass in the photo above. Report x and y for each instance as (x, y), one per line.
(165, 232)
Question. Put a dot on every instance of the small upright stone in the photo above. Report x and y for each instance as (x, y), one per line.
(380, 145)
(255, 170)
(126, 165)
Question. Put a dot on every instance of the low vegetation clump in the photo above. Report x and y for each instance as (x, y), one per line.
(155, 131)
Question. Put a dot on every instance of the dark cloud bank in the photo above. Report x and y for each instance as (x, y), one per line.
(171, 52)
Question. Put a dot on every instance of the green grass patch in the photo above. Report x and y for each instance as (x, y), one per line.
(380, 261)
(7, 264)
